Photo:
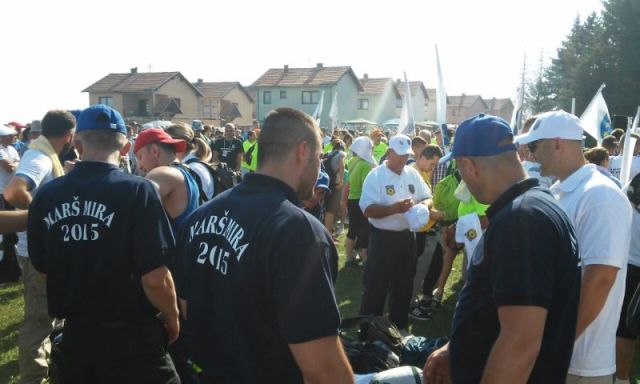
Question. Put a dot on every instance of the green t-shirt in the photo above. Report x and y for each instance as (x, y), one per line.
(327, 148)
(358, 171)
(379, 151)
(472, 206)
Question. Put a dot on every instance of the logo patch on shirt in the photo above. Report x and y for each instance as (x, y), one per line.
(478, 253)
(391, 190)
(471, 234)
(412, 189)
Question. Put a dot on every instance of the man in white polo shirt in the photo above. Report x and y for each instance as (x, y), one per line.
(601, 215)
(392, 193)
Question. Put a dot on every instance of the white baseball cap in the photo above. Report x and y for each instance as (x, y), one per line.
(362, 147)
(6, 131)
(553, 125)
(401, 145)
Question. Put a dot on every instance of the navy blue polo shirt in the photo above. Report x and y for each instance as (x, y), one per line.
(527, 256)
(258, 273)
(95, 232)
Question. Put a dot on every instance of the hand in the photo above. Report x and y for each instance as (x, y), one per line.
(436, 369)
(403, 206)
(172, 325)
(69, 165)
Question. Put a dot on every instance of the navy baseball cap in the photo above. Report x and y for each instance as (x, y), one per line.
(482, 136)
(101, 116)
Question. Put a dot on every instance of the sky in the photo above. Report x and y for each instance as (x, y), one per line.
(52, 50)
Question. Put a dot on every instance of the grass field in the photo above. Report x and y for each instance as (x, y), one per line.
(348, 291)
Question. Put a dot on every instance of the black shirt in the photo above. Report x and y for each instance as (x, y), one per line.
(95, 232)
(527, 256)
(228, 151)
(257, 273)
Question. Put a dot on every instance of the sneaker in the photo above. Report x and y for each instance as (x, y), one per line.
(419, 314)
(352, 263)
(429, 303)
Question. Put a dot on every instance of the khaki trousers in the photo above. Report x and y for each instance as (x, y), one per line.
(33, 339)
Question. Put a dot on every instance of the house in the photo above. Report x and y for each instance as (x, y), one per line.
(500, 107)
(300, 88)
(378, 99)
(419, 98)
(460, 108)
(148, 96)
(225, 101)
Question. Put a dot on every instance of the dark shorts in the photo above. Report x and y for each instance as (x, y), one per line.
(632, 282)
(358, 225)
(133, 353)
(332, 201)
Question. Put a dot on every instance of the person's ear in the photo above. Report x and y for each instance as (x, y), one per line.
(302, 150)
(78, 146)
(125, 149)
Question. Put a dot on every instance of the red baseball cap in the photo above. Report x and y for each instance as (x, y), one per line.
(158, 135)
(15, 124)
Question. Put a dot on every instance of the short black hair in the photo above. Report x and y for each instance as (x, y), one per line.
(282, 130)
(57, 123)
(430, 151)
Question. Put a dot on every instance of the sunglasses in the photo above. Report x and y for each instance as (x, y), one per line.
(532, 146)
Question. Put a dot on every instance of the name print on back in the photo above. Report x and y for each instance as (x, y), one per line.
(79, 208)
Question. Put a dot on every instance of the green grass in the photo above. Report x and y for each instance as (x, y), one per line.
(348, 292)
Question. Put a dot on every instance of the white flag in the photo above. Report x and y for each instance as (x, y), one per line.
(595, 118)
(318, 112)
(441, 104)
(516, 117)
(333, 113)
(407, 125)
(627, 153)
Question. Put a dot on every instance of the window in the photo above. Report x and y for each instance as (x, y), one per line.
(398, 103)
(363, 104)
(106, 100)
(143, 107)
(266, 97)
(310, 97)
(283, 94)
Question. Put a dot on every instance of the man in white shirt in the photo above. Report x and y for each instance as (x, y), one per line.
(36, 169)
(9, 158)
(389, 191)
(615, 162)
(601, 215)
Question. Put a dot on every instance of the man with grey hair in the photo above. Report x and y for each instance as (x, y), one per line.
(426, 135)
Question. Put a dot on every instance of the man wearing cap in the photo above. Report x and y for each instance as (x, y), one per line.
(9, 160)
(156, 152)
(515, 319)
(228, 148)
(39, 165)
(389, 191)
(314, 205)
(602, 217)
(379, 147)
(256, 273)
(104, 242)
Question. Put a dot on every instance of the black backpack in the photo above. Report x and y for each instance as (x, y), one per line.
(223, 177)
(202, 196)
(326, 166)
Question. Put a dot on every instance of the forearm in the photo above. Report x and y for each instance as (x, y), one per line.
(20, 198)
(377, 211)
(323, 361)
(510, 361)
(594, 291)
(160, 291)
(13, 221)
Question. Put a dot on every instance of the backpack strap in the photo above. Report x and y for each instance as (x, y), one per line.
(201, 193)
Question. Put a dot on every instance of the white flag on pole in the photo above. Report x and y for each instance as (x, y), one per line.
(595, 118)
(516, 117)
(407, 124)
(627, 152)
(318, 112)
(441, 104)
(333, 113)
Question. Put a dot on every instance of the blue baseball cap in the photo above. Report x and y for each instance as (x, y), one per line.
(482, 136)
(323, 180)
(101, 116)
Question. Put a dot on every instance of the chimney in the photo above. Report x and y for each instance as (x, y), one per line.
(286, 68)
(200, 81)
(134, 70)
(366, 76)
(319, 65)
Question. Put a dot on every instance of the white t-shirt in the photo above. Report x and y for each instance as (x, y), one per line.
(469, 232)
(384, 187)
(36, 168)
(203, 172)
(7, 153)
(615, 166)
(634, 248)
(601, 215)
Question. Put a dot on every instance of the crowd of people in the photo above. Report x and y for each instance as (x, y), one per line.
(195, 254)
